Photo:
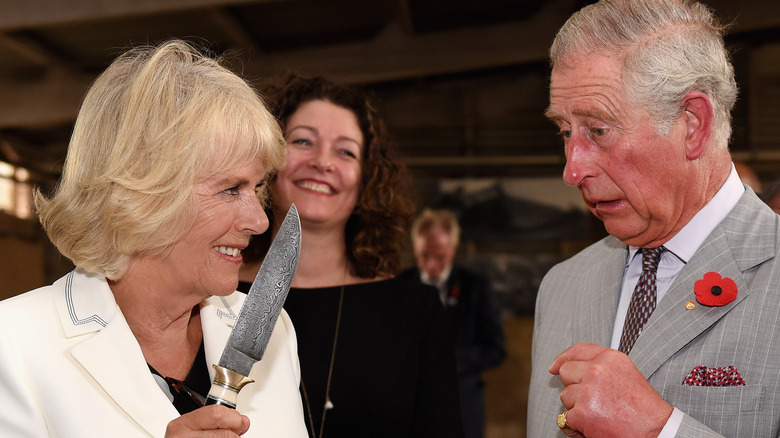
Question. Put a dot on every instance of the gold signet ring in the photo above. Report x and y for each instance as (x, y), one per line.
(561, 420)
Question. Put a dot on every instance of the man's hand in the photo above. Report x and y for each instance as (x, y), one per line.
(212, 421)
(606, 395)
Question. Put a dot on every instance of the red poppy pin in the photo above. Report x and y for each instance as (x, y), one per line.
(714, 290)
(452, 295)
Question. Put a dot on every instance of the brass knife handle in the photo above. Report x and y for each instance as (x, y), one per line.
(227, 384)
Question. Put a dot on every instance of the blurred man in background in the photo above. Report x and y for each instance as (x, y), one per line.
(468, 297)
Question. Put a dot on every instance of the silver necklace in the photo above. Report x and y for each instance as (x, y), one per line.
(328, 403)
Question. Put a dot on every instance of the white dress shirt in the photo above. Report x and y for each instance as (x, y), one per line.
(439, 283)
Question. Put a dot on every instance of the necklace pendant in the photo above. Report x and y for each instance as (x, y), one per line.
(328, 405)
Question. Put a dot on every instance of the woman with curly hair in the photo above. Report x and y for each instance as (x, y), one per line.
(376, 357)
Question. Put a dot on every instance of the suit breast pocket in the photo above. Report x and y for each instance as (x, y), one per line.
(729, 410)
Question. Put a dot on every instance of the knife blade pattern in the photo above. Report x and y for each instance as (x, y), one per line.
(273, 282)
(259, 313)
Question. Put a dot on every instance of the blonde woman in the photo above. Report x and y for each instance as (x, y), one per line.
(162, 189)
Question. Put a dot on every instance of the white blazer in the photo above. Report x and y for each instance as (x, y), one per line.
(71, 367)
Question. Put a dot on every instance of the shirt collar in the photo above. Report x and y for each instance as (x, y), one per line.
(445, 275)
(695, 232)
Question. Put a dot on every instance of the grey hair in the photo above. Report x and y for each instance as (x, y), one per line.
(668, 47)
(437, 218)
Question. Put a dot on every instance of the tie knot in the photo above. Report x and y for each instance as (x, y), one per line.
(651, 257)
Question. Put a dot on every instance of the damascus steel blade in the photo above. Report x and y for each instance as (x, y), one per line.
(264, 301)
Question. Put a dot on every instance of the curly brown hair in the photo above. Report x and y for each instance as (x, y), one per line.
(376, 231)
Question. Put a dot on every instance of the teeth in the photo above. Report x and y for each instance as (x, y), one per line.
(233, 252)
(309, 185)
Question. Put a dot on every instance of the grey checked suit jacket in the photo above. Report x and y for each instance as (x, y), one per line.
(577, 303)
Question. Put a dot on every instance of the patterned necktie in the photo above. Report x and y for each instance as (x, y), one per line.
(643, 300)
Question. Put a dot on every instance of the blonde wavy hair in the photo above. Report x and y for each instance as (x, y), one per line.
(159, 120)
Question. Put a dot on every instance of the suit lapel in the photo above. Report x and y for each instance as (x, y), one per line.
(599, 309)
(217, 317)
(744, 240)
(454, 279)
(672, 325)
(110, 353)
(113, 358)
(454, 306)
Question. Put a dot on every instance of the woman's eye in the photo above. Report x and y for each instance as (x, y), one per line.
(348, 153)
(301, 141)
(231, 191)
(599, 131)
(564, 133)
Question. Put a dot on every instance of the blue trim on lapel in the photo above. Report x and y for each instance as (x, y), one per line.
(72, 308)
(229, 314)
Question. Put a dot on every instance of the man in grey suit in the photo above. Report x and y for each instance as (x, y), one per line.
(642, 92)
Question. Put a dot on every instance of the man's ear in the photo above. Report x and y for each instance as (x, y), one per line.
(697, 114)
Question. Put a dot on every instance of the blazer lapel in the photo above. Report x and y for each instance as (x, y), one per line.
(114, 359)
(599, 309)
(110, 352)
(453, 300)
(750, 227)
(217, 317)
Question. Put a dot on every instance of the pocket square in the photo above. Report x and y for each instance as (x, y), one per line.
(705, 376)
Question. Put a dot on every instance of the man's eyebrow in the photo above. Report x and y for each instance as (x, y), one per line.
(552, 115)
(587, 113)
(598, 115)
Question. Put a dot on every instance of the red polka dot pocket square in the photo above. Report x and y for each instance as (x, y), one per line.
(705, 376)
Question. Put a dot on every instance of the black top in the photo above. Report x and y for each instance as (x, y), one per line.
(191, 393)
(394, 373)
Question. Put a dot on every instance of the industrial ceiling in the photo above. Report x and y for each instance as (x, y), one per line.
(462, 84)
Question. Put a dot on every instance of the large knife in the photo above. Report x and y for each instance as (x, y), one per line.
(258, 316)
